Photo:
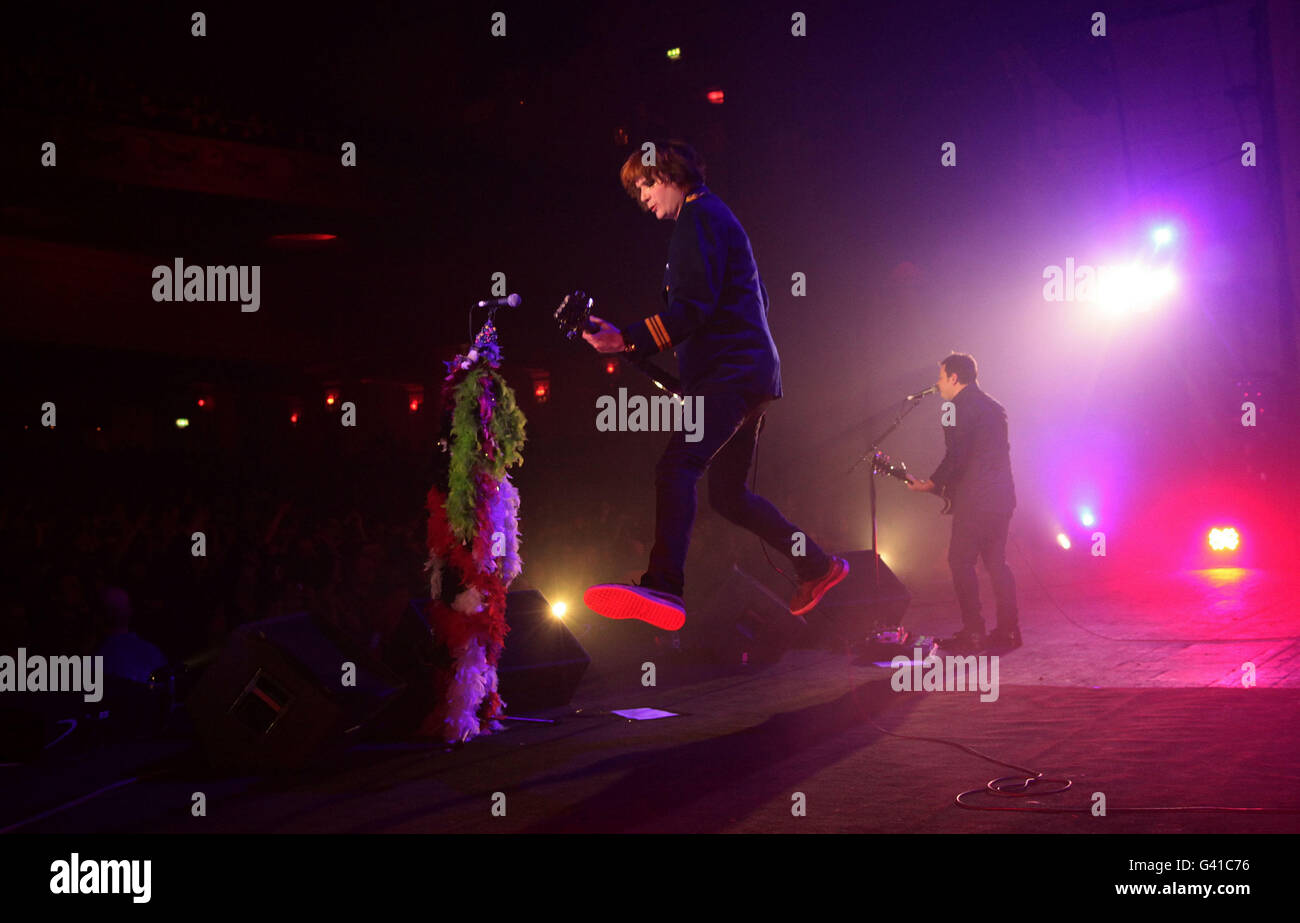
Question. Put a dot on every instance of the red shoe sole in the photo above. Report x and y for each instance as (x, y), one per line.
(833, 579)
(615, 602)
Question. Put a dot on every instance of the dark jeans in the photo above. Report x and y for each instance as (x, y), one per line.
(725, 449)
(976, 535)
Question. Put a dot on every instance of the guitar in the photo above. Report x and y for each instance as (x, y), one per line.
(574, 317)
(883, 464)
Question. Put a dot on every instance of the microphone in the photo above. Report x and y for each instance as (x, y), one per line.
(920, 394)
(510, 301)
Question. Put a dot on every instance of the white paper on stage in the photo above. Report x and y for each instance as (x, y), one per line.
(643, 714)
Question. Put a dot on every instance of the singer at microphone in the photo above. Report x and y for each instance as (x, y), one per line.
(975, 475)
(510, 301)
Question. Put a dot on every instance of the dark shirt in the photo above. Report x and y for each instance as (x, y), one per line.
(716, 306)
(977, 466)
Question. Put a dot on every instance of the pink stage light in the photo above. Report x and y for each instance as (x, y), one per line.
(1226, 539)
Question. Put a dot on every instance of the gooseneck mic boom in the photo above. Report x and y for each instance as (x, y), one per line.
(920, 394)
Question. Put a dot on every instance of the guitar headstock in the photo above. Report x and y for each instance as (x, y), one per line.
(883, 464)
(574, 313)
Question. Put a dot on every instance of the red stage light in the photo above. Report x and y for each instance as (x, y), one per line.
(414, 405)
(330, 398)
(611, 367)
(202, 402)
(716, 97)
(293, 418)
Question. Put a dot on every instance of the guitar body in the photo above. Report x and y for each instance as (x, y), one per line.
(574, 317)
(883, 464)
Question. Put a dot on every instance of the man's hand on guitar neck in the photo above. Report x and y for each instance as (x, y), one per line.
(608, 339)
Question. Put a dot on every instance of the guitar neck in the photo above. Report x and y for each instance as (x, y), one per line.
(661, 379)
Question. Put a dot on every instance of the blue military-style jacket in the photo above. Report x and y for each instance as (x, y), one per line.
(715, 306)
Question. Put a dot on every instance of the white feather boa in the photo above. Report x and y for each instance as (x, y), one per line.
(503, 514)
(473, 681)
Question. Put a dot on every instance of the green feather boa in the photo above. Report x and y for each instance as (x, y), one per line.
(468, 458)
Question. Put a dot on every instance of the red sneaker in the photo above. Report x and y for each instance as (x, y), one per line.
(810, 592)
(620, 601)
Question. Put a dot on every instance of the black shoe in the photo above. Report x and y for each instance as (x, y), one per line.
(1002, 640)
(963, 642)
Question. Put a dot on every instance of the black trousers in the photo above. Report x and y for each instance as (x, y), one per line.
(982, 535)
(725, 450)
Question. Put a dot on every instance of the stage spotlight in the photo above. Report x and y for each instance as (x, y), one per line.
(674, 54)
(414, 405)
(330, 398)
(1086, 517)
(182, 422)
(1162, 235)
(558, 609)
(717, 97)
(1063, 540)
(1135, 287)
(1224, 539)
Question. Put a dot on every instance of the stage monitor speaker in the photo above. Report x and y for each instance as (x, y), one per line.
(745, 622)
(543, 662)
(276, 699)
(858, 606)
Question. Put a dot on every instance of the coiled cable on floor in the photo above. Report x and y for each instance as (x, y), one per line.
(1022, 787)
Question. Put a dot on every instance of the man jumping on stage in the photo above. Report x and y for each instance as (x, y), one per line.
(715, 316)
(976, 472)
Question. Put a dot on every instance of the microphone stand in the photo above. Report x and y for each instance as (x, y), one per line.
(912, 403)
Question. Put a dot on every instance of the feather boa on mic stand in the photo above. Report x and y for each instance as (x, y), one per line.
(473, 538)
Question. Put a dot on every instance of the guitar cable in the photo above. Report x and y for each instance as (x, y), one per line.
(1023, 786)
(753, 489)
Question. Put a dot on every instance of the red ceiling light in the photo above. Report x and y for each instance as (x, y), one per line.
(717, 97)
(330, 398)
(293, 418)
(611, 367)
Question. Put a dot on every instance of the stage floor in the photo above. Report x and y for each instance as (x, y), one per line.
(1129, 686)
